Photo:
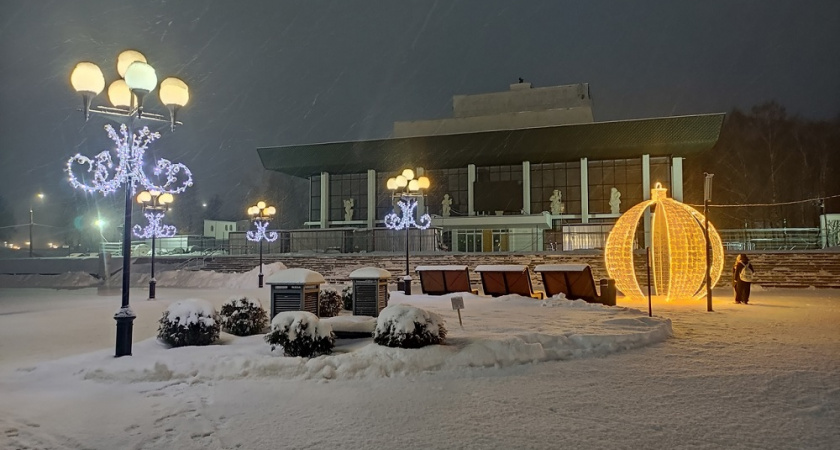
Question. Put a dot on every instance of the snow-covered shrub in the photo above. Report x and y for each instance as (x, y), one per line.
(330, 302)
(300, 333)
(408, 327)
(243, 316)
(189, 322)
(347, 297)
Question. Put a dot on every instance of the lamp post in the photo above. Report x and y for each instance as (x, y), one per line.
(261, 215)
(155, 204)
(707, 197)
(32, 222)
(408, 190)
(126, 94)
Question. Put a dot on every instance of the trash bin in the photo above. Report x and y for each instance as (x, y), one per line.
(607, 291)
(370, 291)
(295, 290)
(407, 284)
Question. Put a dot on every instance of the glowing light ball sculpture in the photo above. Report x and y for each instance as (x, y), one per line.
(678, 251)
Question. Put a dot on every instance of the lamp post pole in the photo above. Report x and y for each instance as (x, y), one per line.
(707, 197)
(261, 215)
(137, 79)
(31, 222)
(158, 203)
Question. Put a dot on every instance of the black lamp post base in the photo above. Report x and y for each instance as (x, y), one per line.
(261, 280)
(125, 326)
(152, 284)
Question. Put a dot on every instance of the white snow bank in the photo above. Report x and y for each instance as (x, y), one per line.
(191, 311)
(59, 281)
(296, 276)
(368, 273)
(560, 267)
(497, 332)
(500, 268)
(209, 278)
(450, 267)
(351, 324)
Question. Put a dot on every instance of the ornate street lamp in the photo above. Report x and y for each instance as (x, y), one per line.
(408, 190)
(155, 204)
(137, 79)
(261, 215)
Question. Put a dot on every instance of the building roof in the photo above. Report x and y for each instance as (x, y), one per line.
(668, 136)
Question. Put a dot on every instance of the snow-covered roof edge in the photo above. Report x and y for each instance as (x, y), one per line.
(368, 273)
(500, 268)
(561, 268)
(296, 276)
(447, 268)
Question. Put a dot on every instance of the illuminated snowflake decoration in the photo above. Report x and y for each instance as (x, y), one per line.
(407, 206)
(261, 234)
(129, 167)
(154, 228)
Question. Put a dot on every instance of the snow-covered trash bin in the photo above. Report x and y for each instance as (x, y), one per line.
(370, 291)
(300, 333)
(189, 322)
(243, 316)
(295, 290)
(406, 326)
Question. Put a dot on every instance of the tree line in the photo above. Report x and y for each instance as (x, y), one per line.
(768, 157)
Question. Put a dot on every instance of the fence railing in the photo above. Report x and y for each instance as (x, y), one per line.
(354, 240)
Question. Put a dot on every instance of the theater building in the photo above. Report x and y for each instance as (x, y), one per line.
(526, 169)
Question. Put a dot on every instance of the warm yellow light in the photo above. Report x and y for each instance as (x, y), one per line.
(119, 95)
(402, 181)
(408, 174)
(174, 92)
(392, 183)
(253, 211)
(270, 211)
(166, 198)
(260, 205)
(144, 197)
(424, 182)
(126, 58)
(678, 253)
(87, 77)
(413, 185)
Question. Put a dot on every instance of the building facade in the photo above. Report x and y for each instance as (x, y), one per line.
(522, 170)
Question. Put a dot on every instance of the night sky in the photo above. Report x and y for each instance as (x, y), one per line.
(265, 73)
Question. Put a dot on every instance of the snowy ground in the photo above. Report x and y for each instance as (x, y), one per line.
(520, 374)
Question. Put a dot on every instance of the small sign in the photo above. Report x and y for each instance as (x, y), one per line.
(457, 302)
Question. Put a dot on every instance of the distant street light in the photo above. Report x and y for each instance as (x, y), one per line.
(126, 95)
(155, 205)
(408, 190)
(261, 215)
(32, 221)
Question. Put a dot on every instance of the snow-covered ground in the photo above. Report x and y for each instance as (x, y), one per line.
(521, 373)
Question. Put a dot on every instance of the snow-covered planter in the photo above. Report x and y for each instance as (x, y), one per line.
(347, 297)
(189, 322)
(300, 333)
(330, 302)
(408, 327)
(243, 316)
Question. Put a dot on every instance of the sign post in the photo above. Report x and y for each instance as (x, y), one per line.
(458, 305)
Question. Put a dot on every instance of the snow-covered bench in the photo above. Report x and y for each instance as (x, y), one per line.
(575, 281)
(498, 280)
(439, 280)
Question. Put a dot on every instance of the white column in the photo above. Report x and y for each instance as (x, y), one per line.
(471, 190)
(584, 190)
(646, 195)
(325, 199)
(371, 199)
(526, 187)
(677, 179)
